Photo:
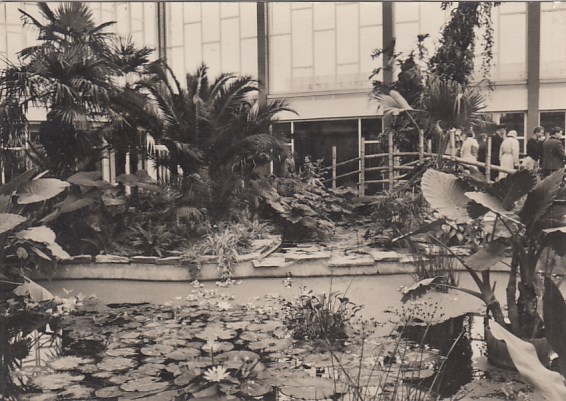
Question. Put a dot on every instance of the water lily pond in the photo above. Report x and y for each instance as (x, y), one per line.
(212, 344)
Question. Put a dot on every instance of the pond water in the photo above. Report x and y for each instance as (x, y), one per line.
(152, 338)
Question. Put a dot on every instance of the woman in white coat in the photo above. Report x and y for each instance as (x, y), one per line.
(509, 153)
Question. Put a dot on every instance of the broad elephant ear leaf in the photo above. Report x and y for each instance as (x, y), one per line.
(133, 181)
(488, 256)
(40, 190)
(548, 385)
(44, 235)
(36, 292)
(420, 288)
(446, 194)
(488, 201)
(89, 179)
(540, 199)
(554, 313)
(9, 221)
(513, 187)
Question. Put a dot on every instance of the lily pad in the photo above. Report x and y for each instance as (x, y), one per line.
(216, 333)
(141, 385)
(77, 392)
(255, 388)
(271, 344)
(156, 350)
(68, 363)
(115, 364)
(121, 352)
(109, 392)
(183, 354)
(187, 376)
(56, 381)
(217, 346)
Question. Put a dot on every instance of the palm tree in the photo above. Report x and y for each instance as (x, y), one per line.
(72, 73)
(213, 123)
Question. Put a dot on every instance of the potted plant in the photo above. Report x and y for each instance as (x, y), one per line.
(521, 217)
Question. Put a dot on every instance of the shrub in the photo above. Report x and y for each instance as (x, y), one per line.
(320, 317)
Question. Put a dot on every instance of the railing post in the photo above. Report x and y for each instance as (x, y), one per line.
(334, 167)
(421, 145)
(362, 189)
(429, 145)
(488, 159)
(391, 159)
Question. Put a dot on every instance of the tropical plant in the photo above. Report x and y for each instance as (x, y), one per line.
(320, 316)
(72, 73)
(215, 124)
(25, 244)
(525, 218)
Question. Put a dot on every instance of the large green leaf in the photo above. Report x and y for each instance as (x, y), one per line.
(513, 187)
(420, 288)
(394, 103)
(40, 190)
(36, 292)
(548, 385)
(554, 313)
(488, 201)
(540, 199)
(446, 194)
(10, 187)
(133, 181)
(89, 179)
(488, 256)
(8, 221)
(44, 235)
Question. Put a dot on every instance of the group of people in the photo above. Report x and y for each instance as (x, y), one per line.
(544, 154)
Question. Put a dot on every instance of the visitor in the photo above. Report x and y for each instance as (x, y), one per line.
(496, 141)
(553, 155)
(469, 149)
(482, 149)
(534, 150)
(509, 153)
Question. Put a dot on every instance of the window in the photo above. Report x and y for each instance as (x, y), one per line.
(551, 119)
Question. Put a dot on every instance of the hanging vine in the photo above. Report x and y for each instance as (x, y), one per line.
(454, 58)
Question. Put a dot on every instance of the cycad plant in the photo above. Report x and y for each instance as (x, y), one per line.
(212, 127)
(72, 72)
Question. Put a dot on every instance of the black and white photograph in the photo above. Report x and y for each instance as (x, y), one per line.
(282, 201)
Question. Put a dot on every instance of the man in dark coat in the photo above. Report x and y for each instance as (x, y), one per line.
(553, 155)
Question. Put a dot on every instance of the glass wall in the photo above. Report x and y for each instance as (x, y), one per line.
(322, 46)
(553, 45)
(137, 20)
(222, 35)
(510, 47)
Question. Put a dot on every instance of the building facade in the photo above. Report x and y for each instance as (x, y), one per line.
(318, 56)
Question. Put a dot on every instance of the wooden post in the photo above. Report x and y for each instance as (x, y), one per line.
(421, 145)
(488, 159)
(334, 167)
(452, 143)
(391, 160)
(362, 188)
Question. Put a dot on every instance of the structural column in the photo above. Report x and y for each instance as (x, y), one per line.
(388, 30)
(162, 30)
(533, 66)
(262, 51)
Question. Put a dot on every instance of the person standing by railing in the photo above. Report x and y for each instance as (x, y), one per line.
(470, 147)
(509, 153)
(553, 155)
(496, 141)
(534, 150)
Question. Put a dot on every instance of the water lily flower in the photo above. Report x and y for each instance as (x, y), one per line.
(216, 374)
